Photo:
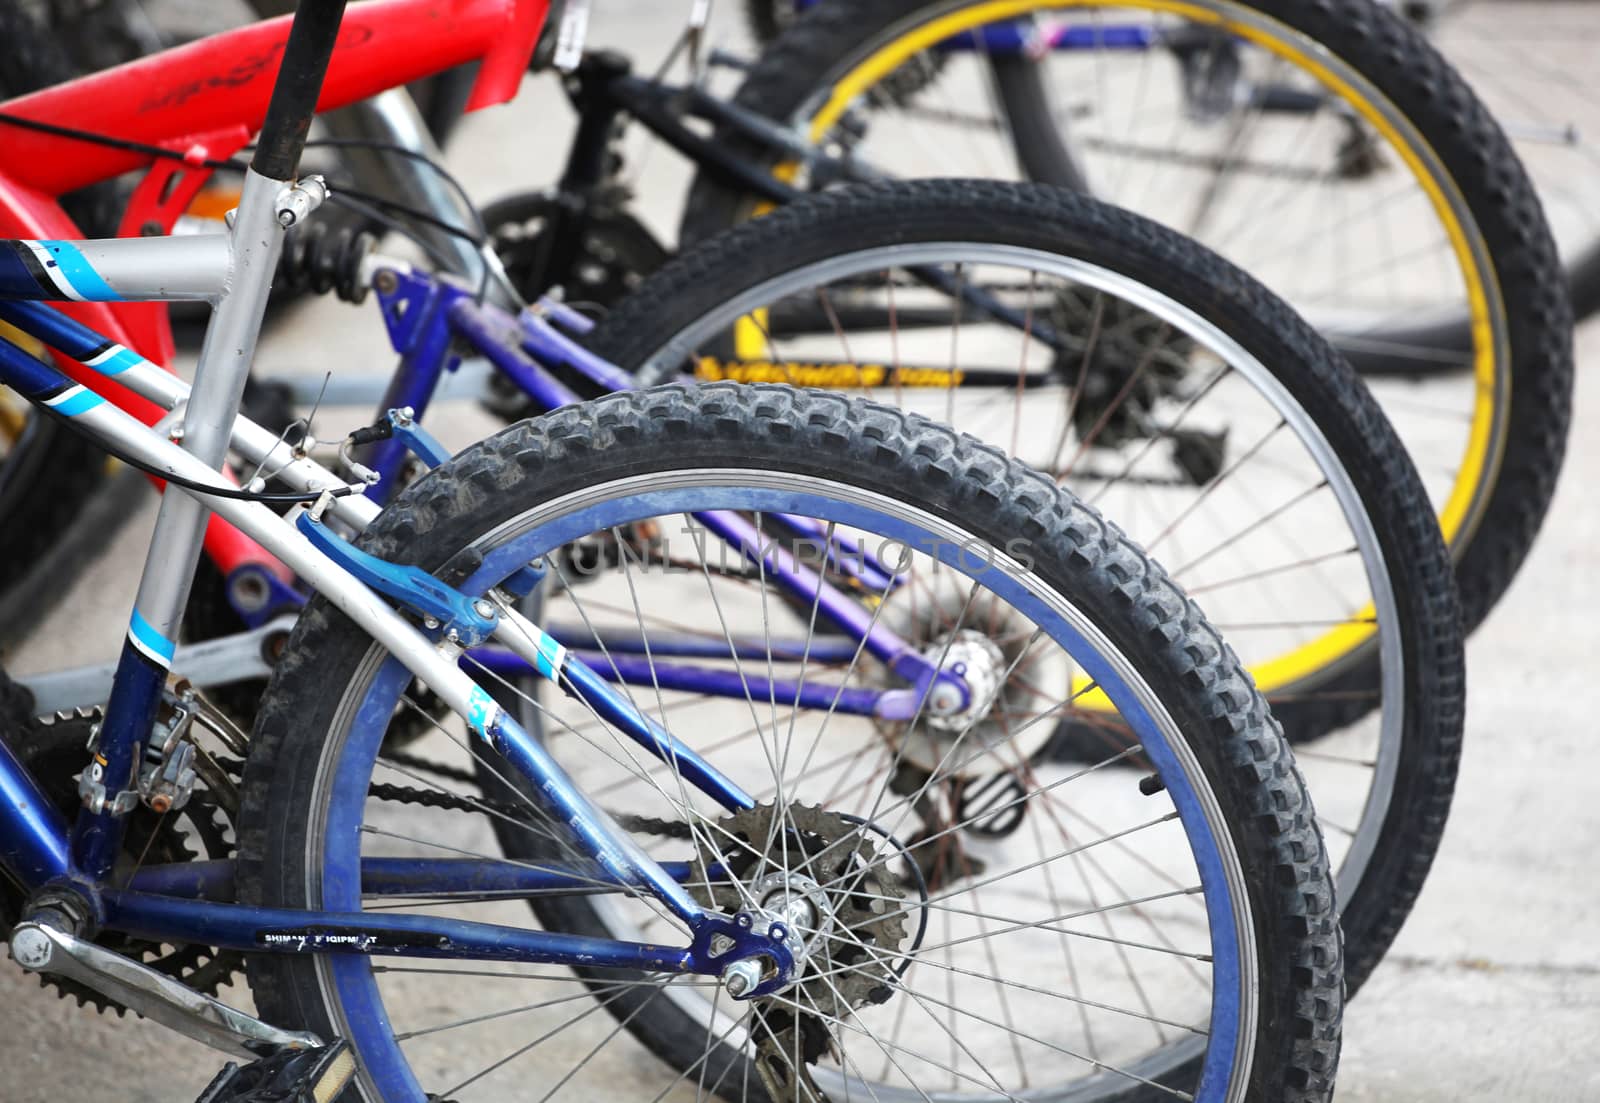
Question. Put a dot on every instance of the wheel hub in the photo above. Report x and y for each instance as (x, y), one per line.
(799, 902)
(816, 875)
(979, 662)
(1010, 674)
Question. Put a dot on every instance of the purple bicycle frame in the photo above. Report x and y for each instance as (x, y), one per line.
(429, 318)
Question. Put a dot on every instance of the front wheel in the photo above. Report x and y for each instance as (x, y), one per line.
(1100, 933)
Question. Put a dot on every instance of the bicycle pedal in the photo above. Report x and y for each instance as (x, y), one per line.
(291, 1076)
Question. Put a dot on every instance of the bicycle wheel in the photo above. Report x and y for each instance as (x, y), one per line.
(1224, 795)
(1329, 151)
(1227, 437)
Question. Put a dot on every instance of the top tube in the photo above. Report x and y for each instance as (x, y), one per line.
(217, 88)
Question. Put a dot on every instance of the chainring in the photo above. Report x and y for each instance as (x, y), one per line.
(55, 752)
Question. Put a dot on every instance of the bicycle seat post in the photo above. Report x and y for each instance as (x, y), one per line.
(297, 89)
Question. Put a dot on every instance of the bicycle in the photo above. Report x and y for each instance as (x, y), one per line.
(593, 468)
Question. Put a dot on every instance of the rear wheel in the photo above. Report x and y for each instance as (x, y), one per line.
(1166, 388)
(1064, 959)
(1327, 149)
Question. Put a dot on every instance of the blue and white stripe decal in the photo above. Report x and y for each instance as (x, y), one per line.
(73, 401)
(150, 643)
(551, 655)
(114, 360)
(50, 270)
(73, 276)
(481, 712)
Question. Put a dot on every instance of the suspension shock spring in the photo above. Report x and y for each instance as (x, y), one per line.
(321, 258)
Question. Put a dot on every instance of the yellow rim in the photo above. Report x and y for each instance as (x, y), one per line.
(1482, 453)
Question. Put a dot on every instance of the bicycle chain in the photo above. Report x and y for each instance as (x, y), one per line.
(455, 802)
(439, 798)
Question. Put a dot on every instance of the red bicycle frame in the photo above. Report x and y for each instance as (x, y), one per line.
(205, 100)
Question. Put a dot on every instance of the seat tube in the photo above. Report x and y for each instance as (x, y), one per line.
(204, 431)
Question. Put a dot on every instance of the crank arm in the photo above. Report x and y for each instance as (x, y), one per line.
(40, 948)
(217, 662)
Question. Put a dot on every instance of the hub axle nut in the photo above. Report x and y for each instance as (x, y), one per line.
(945, 699)
(741, 977)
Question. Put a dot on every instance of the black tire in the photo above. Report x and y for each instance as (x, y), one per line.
(914, 460)
(49, 473)
(702, 279)
(1035, 136)
(1480, 163)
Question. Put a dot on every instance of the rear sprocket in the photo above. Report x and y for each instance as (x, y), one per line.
(853, 945)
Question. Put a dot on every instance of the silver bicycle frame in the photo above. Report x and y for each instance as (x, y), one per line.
(233, 270)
